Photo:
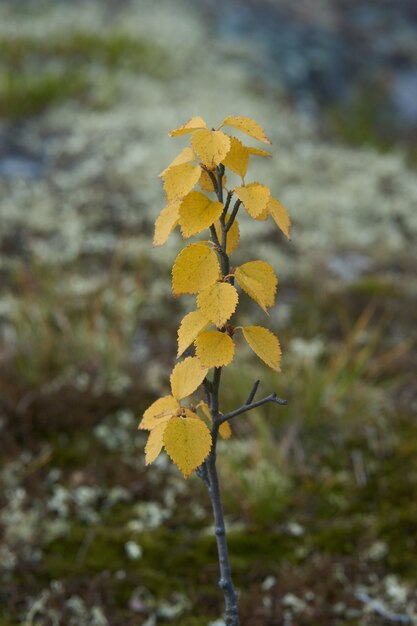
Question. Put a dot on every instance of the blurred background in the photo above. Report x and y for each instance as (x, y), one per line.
(320, 496)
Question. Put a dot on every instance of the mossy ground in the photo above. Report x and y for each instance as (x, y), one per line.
(79, 66)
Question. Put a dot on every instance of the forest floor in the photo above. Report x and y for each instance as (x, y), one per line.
(320, 496)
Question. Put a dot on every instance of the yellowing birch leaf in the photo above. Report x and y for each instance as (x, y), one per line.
(211, 146)
(218, 302)
(179, 180)
(165, 223)
(185, 156)
(187, 440)
(205, 410)
(192, 324)
(225, 431)
(280, 216)
(214, 349)
(233, 235)
(259, 281)
(195, 268)
(262, 216)
(254, 197)
(237, 159)
(257, 152)
(264, 344)
(155, 443)
(248, 126)
(186, 377)
(206, 183)
(195, 123)
(198, 212)
(159, 412)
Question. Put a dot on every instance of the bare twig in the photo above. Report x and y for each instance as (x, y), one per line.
(253, 392)
(213, 180)
(254, 405)
(233, 215)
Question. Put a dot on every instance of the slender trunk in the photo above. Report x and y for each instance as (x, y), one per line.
(225, 582)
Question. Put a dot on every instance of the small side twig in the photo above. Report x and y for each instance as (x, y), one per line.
(213, 179)
(248, 407)
(233, 215)
(228, 199)
(253, 392)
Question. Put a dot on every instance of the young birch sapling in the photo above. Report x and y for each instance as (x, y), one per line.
(189, 430)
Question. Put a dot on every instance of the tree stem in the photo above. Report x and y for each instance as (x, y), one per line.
(209, 471)
(225, 582)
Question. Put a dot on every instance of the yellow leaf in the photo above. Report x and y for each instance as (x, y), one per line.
(206, 183)
(205, 410)
(195, 268)
(254, 197)
(280, 216)
(264, 344)
(257, 152)
(211, 146)
(165, 223)
(218, 302)
(192, 324)
(198, 212)
(185, 156)
(187, 440)
(237, 159)
(248, 126)
(259, 281)
(155, 443)
(225, 431)
(195, 123)
(186, 377)
(263, 215)
(214, 349)
(233, 235)
(179, 180)
(159, 412)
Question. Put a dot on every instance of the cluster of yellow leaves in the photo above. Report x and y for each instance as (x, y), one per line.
(183, 431)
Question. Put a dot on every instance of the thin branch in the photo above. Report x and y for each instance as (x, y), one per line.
(213, 180)
(215, 237)
(208, 389)
(248, 407)
(233, 215)
(215, 394)
(228, 200)
(202, 473)
(220, 173)
(225, 209)
(253, 392)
